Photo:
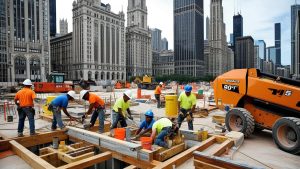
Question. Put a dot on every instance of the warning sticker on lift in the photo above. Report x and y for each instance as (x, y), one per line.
(232, 88)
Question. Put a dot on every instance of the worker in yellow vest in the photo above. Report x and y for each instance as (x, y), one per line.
(157, 93)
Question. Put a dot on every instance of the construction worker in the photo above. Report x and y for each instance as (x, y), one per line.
(119, 110)
(146, 125)
(24, 100)
(60, 103)
(161, 130)
(186, 106)
(157, 93)
(98, 105)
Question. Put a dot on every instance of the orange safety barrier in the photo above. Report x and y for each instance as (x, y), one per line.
(139, 93)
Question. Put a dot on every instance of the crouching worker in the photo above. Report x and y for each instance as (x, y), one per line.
(60, 103)
(119, 110)
(162, 130)
(146, 125)
(98, 105)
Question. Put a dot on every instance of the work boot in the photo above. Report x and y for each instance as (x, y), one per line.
(20, 135)
(32, 134)
(53, 129)
(86, 126)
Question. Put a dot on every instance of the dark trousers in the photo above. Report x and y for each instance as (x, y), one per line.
(56, 118)
(100, 113)
(182, 116)
(160, 139)
(157, 97)
(23, 113)
(117, 117)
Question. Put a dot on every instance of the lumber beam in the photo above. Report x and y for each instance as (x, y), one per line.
(164, 155)
(186, 155)
(203, 165)
(30, 158)
(223, 148)
(84, 163)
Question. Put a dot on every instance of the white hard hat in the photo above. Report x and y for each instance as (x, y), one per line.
(27, 82)
(128, 93)
(71, 93)
(161, 83)
(82, 93)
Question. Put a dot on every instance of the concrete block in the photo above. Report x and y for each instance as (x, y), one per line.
(237, 137)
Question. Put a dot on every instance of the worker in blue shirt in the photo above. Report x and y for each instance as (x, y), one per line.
(60, 103)
(146, 125)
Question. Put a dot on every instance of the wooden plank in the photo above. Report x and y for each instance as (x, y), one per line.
(186, 155)
(221, 162)
(162, 156)
(30, 158)
(204, 165)
(69, 159)
(131, 167)
(88, 161)
(223, 148)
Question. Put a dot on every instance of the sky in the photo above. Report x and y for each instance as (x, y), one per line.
(259, 18)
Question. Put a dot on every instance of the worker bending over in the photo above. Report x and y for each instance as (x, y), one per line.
(60, 103)
(161, 130)
(24, 101)
(98, 105)
(186, 106)
(157, 93)
(119, 110)
(146, 125)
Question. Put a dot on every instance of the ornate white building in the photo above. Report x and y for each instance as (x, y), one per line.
(98, 42)
(138, 40)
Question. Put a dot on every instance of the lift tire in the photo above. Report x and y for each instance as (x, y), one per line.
(286, 134)
(241, 120)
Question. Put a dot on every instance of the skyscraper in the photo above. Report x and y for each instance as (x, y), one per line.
(244, 52)
(164, 44)
(271, 54)
(98, 42)
(296, 74)
(156, 39)
(237, 27)
(138, 40)
(218, 59)
(63, 27)
(188, 37)
(294, 12)
(207, 27)
(278, 44)
(262, 49)
(3, 42)
(52, 8)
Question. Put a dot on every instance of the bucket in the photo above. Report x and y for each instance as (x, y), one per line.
(146, 143)
(171, 106)
(55, 142)
(10, 118)
(120, 133)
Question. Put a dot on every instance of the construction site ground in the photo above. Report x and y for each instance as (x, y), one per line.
(258, 150)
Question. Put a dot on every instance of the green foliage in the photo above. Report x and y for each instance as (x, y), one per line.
(183, 78)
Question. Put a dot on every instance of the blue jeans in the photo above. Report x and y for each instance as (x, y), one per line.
(182, 117)
(100, 113)
(57, 118)
(23, 112)
(157, 97)
(117, 117)
(160, 139)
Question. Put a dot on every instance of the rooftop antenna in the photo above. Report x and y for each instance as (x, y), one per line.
(234, 6)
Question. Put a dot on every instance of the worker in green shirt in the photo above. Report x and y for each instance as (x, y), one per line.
(161, 130)
(186, 106)
(119, 110)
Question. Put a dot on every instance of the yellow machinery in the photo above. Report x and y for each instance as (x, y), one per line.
(146, 83)
(45, 106)
(261, 101)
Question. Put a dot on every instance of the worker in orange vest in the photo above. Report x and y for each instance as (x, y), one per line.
(157, 93)
(24, 100)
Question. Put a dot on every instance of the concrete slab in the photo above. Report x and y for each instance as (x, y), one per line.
(13, 162)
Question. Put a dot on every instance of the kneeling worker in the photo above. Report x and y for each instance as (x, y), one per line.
(186, 106)
(163, 128)
(60, 103)
(96, 104)
(146, 125)
(119, 110)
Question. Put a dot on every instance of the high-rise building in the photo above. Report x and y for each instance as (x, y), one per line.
(296, 74)
(188, 37)
(207, 27)
(218, 59)
(61, 55)
(278, 44)
(237, 27)
(271, 54)
(163, 63)
(244, 52)
(164, 44)
(138, 40)
(52, 9)
(294, 12)
(256, 57)
(98, 42)
(156, 39)
(63, 27)
(231, 39)
(269, 67)
(25, 37)
(262, 49)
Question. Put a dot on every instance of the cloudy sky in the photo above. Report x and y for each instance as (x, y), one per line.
(259, 18)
